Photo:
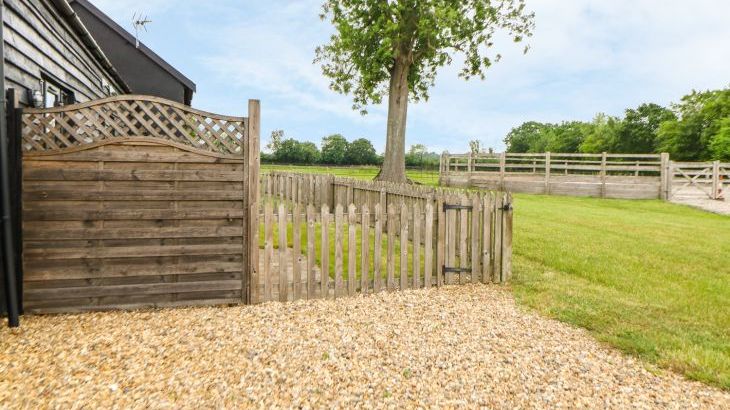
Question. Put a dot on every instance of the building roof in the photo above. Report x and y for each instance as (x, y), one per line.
(73, 20)
(127, 36)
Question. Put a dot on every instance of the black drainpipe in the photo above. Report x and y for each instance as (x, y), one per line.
(7, 222)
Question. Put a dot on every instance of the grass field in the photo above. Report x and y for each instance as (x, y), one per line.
(648, 277)
(426, 177)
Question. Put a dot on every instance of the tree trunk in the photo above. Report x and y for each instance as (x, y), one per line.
(394, 161)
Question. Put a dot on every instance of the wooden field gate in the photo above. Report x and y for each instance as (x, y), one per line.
(697, 180)
(136, 201)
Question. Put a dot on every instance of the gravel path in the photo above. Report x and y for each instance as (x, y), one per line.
(464, 346)
(709, 205)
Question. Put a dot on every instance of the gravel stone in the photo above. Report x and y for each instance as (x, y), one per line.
(455, 347)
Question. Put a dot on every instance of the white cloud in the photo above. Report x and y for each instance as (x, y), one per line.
(587, 56)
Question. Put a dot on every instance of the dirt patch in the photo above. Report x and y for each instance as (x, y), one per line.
(464, 346)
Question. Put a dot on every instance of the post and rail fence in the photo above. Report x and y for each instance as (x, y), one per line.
(605, 175)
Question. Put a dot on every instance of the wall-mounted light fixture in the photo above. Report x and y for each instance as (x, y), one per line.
(37, 98)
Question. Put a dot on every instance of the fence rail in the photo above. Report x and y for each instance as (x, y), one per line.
(327, 237)
(630, 176)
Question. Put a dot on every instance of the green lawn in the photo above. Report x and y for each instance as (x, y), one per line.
(648, 277)
(426, 177)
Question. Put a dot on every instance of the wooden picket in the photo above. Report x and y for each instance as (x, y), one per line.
(468, 240)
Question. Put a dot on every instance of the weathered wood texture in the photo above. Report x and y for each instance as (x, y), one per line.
(40, 44)
(394, 249)
(702, 180)
(630, 176)
(120, 216)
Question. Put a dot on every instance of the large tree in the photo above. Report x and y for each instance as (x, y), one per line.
(395, 48)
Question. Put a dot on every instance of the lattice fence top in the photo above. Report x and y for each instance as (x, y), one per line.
(131, 116)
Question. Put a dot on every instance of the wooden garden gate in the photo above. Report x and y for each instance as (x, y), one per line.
(698, 179)
(136, 201)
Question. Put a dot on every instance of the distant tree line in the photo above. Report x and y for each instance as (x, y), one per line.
(337, 150)
(695, 129)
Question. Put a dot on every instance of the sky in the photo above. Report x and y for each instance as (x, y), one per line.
(586, 56)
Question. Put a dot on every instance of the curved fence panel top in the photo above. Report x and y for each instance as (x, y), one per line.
(73, 127)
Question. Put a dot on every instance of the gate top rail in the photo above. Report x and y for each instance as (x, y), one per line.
(132, 116)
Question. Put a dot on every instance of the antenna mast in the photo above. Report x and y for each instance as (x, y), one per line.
(140, 23)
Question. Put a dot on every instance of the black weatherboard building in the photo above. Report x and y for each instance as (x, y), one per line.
(144, 71)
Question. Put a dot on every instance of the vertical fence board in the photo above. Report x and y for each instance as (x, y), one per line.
(365, 252)
(351, 251)
(476, 222)
(297, 251)
(377, 249)
(404, 247)
(441, 243)
(487, 205)
(428, 247)
(338, 250)
(269, 251)
(507, 239)
(311, 241)
(416, 246)
(283, 268)
(463, 237)
(390, 279)
(498, 205)
(325, 252)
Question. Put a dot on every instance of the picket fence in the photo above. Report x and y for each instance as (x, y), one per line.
(329, 237)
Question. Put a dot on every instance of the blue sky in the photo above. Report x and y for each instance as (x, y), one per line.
(587, 56)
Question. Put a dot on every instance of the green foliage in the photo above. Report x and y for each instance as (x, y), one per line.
(418, 156)
(361, 152)
(601, 134)
(639, 128)
(292, 151)
(277, 136)
(700, 117)
(720, 145)
(528, 137)
(334, 149)
(566, 137)
(696, 129)
(371, 36)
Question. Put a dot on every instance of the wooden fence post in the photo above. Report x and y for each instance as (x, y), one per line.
(663, 180)
(507, 239)
(670, 179)
(603, 174)
(502, 169)
(715, 179)
(547, 173)
(250, 261)
(497, 244)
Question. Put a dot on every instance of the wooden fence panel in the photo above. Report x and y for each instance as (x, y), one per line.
(136, 201)
(631, 176)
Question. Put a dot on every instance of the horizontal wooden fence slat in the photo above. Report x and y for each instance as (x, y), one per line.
(34, 234)
(53, 174)
(137, 289)
(131, 251)
(131, 214)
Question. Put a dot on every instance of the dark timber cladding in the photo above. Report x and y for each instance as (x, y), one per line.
(141, 68)
(135, 201)
(44, 40)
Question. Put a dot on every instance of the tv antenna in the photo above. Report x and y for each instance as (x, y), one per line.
(140, 23)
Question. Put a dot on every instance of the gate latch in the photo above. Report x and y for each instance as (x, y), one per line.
(449, 207)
